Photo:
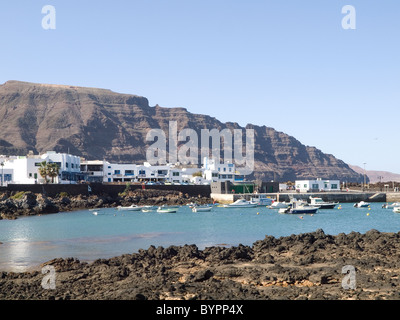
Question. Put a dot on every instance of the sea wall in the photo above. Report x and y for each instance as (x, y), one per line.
(343, 197)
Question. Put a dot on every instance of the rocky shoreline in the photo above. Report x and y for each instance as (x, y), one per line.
(307, 266)
(13, 205)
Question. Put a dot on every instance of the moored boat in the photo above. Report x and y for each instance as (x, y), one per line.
(241, 203)
(391, 206)
(297, 207)
(396, 209)
(278, 205)
(322, 204)
(261, 199)
(361, 204)
(201, 208)
(166, 210)
(132, 207)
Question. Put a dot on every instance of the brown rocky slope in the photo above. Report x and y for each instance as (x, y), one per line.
(101, 124)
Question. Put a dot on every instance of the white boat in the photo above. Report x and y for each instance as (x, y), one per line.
(322, 204)
(361, 204)
(391, 206)
(396, 209)
(241, 203)
(201, 208)
(149, 208)
(166, 210)
(132, 207)
(299, 207)
(261, 199)
(95, 213)
(278, 205)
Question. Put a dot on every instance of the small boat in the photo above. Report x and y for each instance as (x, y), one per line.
(396, 209)
(261, 199)
(149, 209)
(166, 210)
(361, 204)
(391, 206)
(296, 207)
(132, 207)
(278, 205)
(172, 206)
(241, 203)
(201, 208)
(322, 204)
(95, 213)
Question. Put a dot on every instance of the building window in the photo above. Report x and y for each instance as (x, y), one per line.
(214, 175)
(66, 164)
(315, 186)
(117, 171)
(175, 174)
(334, 186)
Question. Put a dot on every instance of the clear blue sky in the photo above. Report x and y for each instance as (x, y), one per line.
(285, 64)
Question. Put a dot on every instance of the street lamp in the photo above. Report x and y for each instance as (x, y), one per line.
(2, 172)
(364, 176)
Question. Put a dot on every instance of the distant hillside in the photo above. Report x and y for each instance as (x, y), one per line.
(101, 124)
(374, 176)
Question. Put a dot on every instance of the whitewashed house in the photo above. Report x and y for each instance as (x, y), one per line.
(317, 185)
(25, 169)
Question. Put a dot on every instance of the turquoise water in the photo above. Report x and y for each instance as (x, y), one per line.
(30, 241)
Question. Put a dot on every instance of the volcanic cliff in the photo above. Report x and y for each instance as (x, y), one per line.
(102, 124)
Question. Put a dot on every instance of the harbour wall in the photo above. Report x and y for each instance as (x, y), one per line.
(343, 197)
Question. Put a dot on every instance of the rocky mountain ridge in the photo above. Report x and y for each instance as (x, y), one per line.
(102, 124)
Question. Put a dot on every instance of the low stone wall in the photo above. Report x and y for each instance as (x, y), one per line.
(112, 190)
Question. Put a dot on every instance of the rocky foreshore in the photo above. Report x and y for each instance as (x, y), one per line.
(305, 266)
(17, 204)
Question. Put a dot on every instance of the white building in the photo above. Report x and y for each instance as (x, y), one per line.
(25, 169)
(218, 172)
(318, 185)
(104, 171)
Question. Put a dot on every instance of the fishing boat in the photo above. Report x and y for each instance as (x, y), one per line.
(322, 204)
(201, 208)
(132, 207)
(297, 207)
(241, 203)
(361, 204)
(166, 210)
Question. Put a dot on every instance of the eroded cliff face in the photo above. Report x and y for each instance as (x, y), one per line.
(101, 124)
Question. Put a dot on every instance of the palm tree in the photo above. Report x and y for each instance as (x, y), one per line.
(53, 170)
(43, 170)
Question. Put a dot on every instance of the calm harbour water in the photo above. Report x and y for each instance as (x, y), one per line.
(30, 241)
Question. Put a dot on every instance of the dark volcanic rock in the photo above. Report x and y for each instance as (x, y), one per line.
(309, 267)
